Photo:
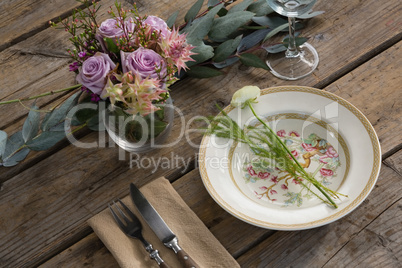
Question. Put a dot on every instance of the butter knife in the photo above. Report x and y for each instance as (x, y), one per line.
(158, 225)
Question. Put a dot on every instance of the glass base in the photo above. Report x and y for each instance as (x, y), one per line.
(294, 67)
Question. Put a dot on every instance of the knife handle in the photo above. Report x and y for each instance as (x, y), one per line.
(185, 260)
(163, 265)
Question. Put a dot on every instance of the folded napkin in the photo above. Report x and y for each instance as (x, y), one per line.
(194, 237)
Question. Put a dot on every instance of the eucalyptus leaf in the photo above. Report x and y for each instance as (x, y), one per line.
(275, 48)
(17, 157)
(226, 62)
(275, 31)
(157, 127)
(224, 50)
(13, 145)
(299, 41)
(212, 3)
(271, 22)
(197, 31)
(260, 8)
(172, 19)
(241, 7)
(224, 26)
(310, 14)
(193, 11)
(204, 52)
(59, 114)
(31, 124)
(252, 39)
(203, 72)
(3, 141)
(95, 123)
(45, 140)
(249, 59)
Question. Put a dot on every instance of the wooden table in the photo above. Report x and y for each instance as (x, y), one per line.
(46, 200)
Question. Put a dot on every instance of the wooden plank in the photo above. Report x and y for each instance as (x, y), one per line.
(95, 255)
(316, 247)
(377, 245)
(395, 162)
(29, 17)
(97, 174)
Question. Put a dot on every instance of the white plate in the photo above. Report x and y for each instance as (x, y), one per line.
(265, 197)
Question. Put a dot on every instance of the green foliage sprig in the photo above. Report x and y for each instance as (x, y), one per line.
(224, 35)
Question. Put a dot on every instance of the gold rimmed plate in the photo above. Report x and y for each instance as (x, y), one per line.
(330, 137)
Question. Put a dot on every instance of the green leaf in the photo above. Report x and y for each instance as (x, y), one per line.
(200, 28)
(31, 124)
(252, 39)
(260, 8)
(204, 53)
(275, 48)
(249, 59)
(158, 127)
(17, 157)
(271, 22)
(275, 31)
(45, 140)
(172, 19)
(203, 72)
(14, 143)
(111, 46)
(224, 26)
(241, 7)
(224, 50)
(225, 63)
(59, 114)
(212, 3)
(3, 142)
(299, 41)
(193, 11)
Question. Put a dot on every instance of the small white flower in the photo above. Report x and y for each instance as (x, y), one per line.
(244, 94)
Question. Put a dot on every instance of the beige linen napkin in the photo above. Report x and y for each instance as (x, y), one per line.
(194, 237)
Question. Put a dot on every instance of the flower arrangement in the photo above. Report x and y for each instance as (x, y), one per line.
(129, 61)
(273, 152)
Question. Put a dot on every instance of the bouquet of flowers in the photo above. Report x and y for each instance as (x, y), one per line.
(130, 60)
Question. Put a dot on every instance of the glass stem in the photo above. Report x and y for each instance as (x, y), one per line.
(292, 48)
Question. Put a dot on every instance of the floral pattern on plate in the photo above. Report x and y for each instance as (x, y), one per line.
(314, 154)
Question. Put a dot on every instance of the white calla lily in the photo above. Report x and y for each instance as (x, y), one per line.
(241, 96)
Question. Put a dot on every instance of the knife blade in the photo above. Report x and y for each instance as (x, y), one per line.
(160, 228)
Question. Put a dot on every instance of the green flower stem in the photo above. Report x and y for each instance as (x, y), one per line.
(312, 180)
(42, 95)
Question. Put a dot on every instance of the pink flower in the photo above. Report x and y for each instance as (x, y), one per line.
(176, 49)
(308, 147)
(281, 133)
(295, 153)
(298, 181)
(263, 188)
(275, 179)
(263, 175)
(321, 159)
(326, 172)
(331, 153)
(294, 134)
(273, 192)
(251, 171)
(284, 187)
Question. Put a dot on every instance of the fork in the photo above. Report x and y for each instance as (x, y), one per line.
(132, 227)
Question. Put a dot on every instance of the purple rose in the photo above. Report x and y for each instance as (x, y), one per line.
(93, 72)
(157, 24)
(112, 28)
(144, 61)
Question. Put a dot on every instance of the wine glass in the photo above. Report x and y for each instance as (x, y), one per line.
(297, 61)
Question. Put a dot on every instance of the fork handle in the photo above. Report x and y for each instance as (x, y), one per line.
(154, 254)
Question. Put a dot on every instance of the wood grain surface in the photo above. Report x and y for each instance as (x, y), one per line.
(46, 200)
